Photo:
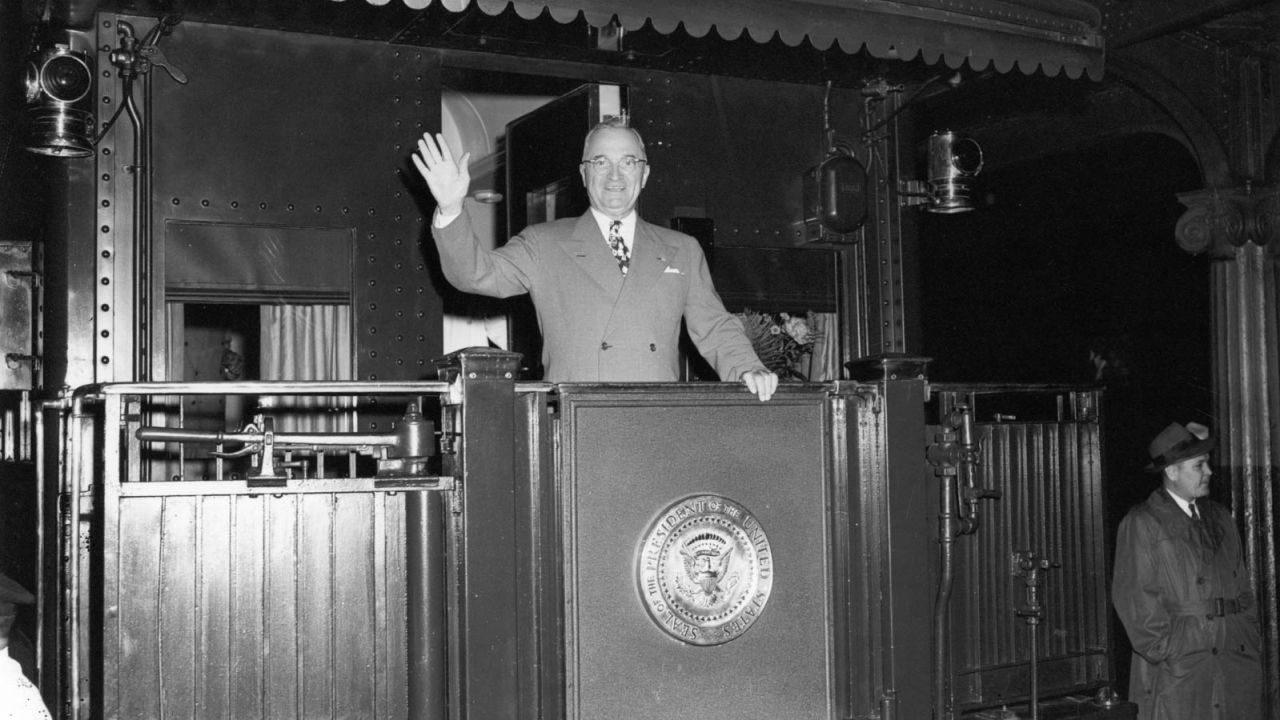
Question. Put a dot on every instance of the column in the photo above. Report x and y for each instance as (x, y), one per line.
(1238, 228)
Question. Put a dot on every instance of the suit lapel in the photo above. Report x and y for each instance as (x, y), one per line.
(591, 253)
(650, 257)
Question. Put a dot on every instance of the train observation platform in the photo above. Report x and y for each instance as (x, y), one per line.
(481, 548)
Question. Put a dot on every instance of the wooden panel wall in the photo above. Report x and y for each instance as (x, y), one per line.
(251, 605)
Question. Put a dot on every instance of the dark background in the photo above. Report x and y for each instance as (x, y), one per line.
(1073, 253)
(1068, 254)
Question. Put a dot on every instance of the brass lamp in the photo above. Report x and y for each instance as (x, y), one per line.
(58, 83)
(954, 161)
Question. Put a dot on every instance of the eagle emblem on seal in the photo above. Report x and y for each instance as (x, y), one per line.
(707, 558)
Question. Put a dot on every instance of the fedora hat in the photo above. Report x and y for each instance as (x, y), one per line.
(1177, 443)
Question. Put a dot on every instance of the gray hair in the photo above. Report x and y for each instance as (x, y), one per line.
(612, 122)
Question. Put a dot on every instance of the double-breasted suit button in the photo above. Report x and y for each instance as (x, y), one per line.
(604, 346)
(653, 347)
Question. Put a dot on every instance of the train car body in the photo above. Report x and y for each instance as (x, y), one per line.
(259, 492)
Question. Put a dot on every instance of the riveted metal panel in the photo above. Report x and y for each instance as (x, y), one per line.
(703, 140)
(300, 132)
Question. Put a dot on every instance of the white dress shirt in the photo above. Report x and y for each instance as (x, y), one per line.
(628, 229)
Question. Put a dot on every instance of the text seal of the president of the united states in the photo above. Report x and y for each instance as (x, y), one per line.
(705, 569)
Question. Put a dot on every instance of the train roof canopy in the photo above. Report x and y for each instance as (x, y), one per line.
(1034, 36)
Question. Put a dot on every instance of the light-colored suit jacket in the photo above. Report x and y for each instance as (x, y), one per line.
(596, 325)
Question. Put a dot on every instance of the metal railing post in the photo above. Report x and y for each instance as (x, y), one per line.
(478, 449)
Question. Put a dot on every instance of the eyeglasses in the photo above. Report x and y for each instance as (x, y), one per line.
(626, 163)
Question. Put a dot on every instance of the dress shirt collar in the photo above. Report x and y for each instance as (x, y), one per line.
(1185, 505)
(628, 226)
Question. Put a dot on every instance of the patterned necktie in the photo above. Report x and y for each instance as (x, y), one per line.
(619, 248)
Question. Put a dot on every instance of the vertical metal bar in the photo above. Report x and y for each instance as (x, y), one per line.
(141, 242)
(1033, 652)
(539, 579)
(905, 547)
(424, 555)
(483, 600)
(69, 528)
(24, 419)
(61, 550)
(78, 590)
(182, 447)
(549, 571)
(43, 554)
(888, 277)
(40, 546)
(118, 465)
(843, 474)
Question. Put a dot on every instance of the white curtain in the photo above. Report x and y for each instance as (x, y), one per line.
(307, 342)
(824, 362)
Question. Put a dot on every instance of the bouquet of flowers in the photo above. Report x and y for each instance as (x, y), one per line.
(781, 340)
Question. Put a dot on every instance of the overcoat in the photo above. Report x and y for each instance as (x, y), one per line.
(1190, 613)
(597, 325)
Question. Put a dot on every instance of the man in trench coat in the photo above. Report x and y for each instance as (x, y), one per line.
(609, 288)
(1182, 592)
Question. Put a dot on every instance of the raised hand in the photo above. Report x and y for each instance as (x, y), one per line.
(447, 180)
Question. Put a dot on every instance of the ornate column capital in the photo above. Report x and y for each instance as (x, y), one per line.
(1220, 220)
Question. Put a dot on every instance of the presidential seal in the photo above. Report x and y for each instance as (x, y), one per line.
(705, 570)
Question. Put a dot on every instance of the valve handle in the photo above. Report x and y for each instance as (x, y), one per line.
(158, 59)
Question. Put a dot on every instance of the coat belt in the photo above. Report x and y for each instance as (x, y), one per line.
(1213, 607)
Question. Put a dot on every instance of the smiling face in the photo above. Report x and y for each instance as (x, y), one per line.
(1188, 479)
(614, 191)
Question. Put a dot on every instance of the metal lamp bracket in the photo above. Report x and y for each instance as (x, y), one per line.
(913, 192)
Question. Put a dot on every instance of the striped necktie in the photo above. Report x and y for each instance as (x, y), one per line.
(619, 248)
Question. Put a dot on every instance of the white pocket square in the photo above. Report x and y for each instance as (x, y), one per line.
(674, 270)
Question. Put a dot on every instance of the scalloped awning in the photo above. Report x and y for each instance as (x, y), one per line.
(1049, 36)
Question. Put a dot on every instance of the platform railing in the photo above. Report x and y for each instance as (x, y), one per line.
(132, 508)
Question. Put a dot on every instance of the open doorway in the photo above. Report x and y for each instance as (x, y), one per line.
(476, 106)
(219, 342)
